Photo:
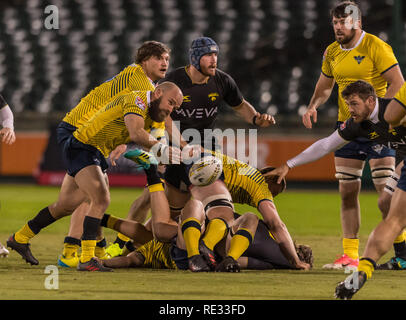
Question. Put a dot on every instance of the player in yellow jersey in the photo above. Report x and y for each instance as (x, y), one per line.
(355, 55)
(150, 65)
(382, 237)
(239, 183)
(84, 153)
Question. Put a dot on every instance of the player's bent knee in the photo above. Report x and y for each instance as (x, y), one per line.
(218, 201)
(382, 174)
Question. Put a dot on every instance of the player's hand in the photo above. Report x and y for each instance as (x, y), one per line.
(264, 120)
(302, 265)
(310, 114)
(116, 153)
(280, 172)
(8, 135)
(191, 153)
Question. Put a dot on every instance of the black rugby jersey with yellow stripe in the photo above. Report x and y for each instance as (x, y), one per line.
(132, 78)
(106, 129)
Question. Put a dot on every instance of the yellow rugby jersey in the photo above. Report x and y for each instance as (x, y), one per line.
(367, 61)
(106, 129)
(132, 78)
(400, 96)
(157, 255)
(246, 184)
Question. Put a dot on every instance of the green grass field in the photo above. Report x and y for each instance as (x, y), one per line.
(312, 218)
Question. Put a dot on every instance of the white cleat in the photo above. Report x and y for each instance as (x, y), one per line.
(3, 251)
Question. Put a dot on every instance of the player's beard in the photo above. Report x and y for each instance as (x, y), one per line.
(154, 110)
(346, 39)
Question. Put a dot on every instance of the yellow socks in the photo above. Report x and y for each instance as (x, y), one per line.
(70, 250)
(216, 230)
(191, 231)
(366, 265)
(88, 249)
(24, 234)
(239, 243)
(123, 237)
(350, 247)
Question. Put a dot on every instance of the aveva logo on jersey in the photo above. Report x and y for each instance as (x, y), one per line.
(197, 113)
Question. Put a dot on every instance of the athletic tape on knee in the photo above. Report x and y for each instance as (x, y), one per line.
(347, 174)
(391, 183)
(382, 173)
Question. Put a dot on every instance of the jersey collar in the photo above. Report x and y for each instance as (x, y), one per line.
(374, 114)
(357, 44)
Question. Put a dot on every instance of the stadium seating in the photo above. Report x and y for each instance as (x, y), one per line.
(273, 48)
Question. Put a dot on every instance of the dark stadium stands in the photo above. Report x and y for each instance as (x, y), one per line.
(273, 48)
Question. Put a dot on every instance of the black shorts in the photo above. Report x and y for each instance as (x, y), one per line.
(363, 149)
(75, 154)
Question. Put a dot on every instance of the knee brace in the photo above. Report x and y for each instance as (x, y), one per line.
(347, 174)
(221, 200)
(391, 183)
(381, 174)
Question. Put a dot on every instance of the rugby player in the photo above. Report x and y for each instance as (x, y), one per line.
(150, 65)
(8, 136)
(239, 183)
(127, 118)
(382, 237)
(355, 55)
(205, 89)
(263, 253)
(367, 121)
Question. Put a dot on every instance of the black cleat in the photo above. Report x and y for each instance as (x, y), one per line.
(198, 264)
(93, 265)
(23, 249)
(350, 286)
(208, 255)
(229, 264)
(395, 263)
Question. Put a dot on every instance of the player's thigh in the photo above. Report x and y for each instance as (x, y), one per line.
(91, 180)
(349, 173)
(69, 198)
(381, 170)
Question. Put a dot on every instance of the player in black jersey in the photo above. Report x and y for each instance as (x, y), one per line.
(368, 120)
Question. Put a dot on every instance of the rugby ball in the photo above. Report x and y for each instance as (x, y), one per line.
(205, 171)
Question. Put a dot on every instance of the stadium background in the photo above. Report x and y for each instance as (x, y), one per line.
(272, 48)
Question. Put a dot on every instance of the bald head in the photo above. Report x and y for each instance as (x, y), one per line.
(166, 97)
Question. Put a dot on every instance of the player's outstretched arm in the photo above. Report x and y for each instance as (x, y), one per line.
(7, 134)
(247, 112)
(395, 80)
(395, 114)
(322, 92)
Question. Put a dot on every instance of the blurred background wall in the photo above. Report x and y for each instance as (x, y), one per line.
(272, 48)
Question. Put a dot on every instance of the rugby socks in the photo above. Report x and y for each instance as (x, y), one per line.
(350, 247)
(108, 221)
(70, 247)
(367, 266)
(121, 240)
(216, 230)
(191, 231)
(400, 246)
(100, 250)
(239, 243)
(90, 228)
(34, 226)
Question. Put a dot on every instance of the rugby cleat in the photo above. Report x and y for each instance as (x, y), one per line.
(344, 262)
(395, 263)
(93, 265)
(114, 250)
(71, 262)
(229, 264)
(198, 264)
(143, 158)
(346, 289)
(208, 255)
(23, 249)
(3, 251)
